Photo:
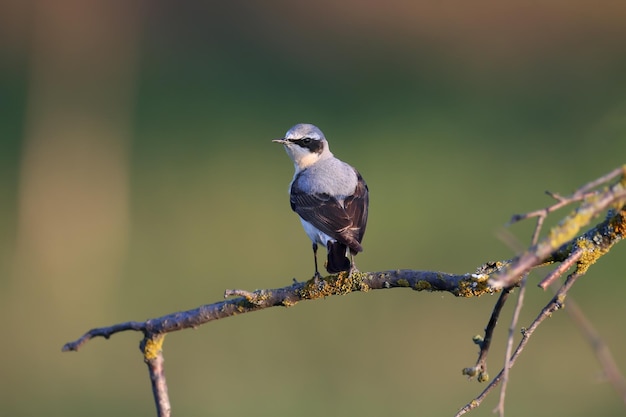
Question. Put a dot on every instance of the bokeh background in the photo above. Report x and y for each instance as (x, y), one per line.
(138, 178)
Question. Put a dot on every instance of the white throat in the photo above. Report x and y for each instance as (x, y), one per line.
(306, 161)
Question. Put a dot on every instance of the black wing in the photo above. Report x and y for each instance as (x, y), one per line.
(345, 223)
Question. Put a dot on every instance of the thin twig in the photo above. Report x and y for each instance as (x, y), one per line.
(554, 304)
(563, 233)
(104, 332)
(152, 348)
(580, 194)
(480, 369)
(509, 346)
(619, 171)
(513, 326)
(560, 270)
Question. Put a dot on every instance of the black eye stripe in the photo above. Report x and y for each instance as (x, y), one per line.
(312, 145)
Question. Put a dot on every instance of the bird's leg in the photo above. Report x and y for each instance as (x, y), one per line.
(353, 267)
(317, 273)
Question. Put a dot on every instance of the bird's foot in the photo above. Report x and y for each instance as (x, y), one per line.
(353, 270)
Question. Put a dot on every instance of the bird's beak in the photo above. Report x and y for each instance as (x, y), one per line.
(281, 141)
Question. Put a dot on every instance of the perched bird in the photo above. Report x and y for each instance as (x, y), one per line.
(329, 195)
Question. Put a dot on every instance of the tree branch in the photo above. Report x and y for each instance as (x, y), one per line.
(152, 348)
(480, 369)
(555, 304)
(466, 285)
(593, 204)
(582, 251)
(561, 245)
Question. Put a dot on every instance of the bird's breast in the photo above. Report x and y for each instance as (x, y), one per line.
(330, 176)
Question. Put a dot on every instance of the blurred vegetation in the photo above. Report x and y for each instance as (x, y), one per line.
(138, 177)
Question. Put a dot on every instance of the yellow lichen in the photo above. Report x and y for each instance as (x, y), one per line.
(259, 297)
(422, 285)
(590, 254)
(567, 229)
(240, 307)
(403, 283)
(618, 223)
(153, 346)
(342, 283)
(289, 303)
(473, 286)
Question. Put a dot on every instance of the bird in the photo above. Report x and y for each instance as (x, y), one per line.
(329, 195)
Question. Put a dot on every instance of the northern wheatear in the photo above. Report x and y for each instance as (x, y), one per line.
(329, 195)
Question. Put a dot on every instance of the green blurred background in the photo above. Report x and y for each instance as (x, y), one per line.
(138, 178)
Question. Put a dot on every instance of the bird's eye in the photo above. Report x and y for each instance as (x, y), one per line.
(306, 141)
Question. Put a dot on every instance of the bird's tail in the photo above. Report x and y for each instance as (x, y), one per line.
(337, 259)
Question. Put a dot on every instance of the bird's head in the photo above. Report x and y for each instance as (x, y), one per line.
(305, 144)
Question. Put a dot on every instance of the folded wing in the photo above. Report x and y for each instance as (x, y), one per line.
(343, 220)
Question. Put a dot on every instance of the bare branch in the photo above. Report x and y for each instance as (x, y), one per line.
(509, 345)
(560, 270)
(466, 285)
(480, 369)
(152, 348)
(567, 229)
(105, 332)
(581, 194)
(561, 245)
(569, 254)
(554, 304)
(516, 312)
